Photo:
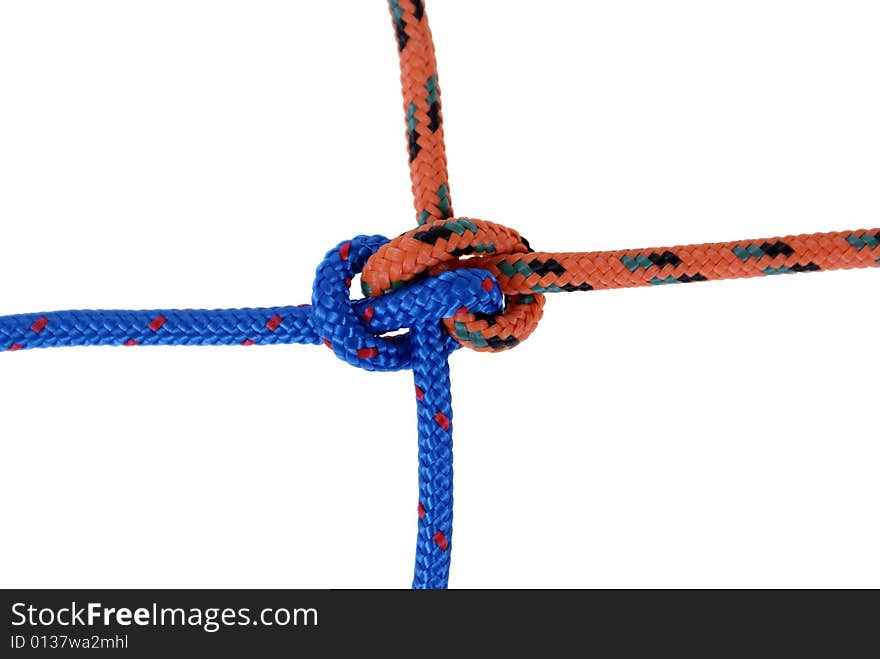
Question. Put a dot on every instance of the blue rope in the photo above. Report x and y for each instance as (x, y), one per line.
(353, 329)
(433, 391)
(198, 327)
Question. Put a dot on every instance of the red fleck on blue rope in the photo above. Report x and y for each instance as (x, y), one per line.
(490, 301)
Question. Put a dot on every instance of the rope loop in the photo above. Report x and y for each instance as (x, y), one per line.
(446, 245)
(356, 331)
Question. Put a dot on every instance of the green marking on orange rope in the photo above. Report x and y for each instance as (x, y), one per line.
(517, 267)
(456, 226)
(769, 249)
(787, 270)
(467, 224)
(634, 263)
(411, 121)
(444, 205)
(431, 88)
(864, 240)
(461, 331)
(746, 253)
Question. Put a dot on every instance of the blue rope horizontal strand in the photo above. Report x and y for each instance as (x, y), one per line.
(157, 327)
(434, 298)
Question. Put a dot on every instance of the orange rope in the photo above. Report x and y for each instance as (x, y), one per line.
(525, 275)
(421, 105)
(406, 257)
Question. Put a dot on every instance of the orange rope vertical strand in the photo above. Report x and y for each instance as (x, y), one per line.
(421, 105)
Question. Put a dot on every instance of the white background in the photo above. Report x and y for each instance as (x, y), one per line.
(207, 154)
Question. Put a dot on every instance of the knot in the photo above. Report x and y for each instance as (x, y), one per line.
(357, 330)
(448, 245)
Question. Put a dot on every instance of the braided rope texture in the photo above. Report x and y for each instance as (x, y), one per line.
(451, 281)
(434, 414)
(524, 274)
(354, 330)
(421, 105)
